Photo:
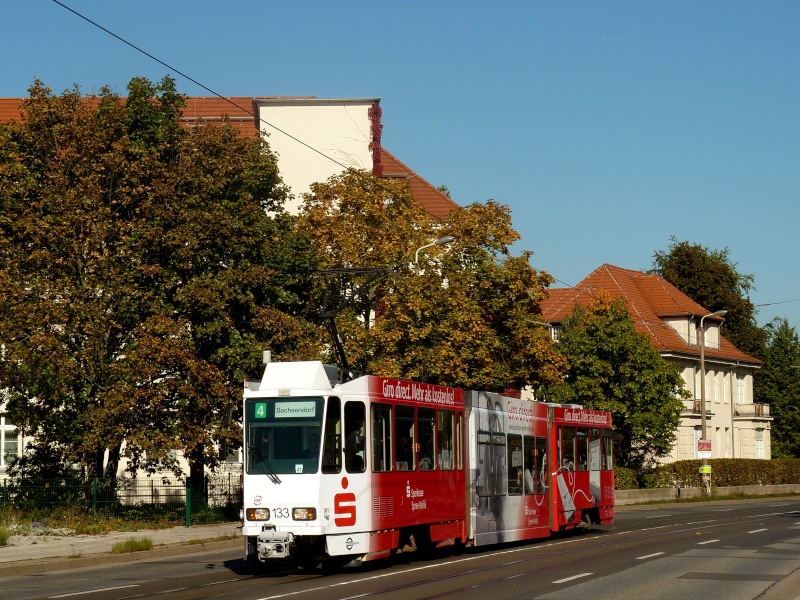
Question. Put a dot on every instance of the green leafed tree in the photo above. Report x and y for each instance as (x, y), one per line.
(464, 314)
(711, 279)
(614, 368)
(778, 384)
(143, 269)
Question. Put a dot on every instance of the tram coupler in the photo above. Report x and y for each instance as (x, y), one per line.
(274, 544)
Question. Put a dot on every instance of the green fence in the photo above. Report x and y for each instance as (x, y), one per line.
(165, 499)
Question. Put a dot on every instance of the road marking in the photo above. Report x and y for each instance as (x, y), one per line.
(701, 522)
(108, 589)
(463, 560)
(707, 542)
(573, 577)
(757, 530)
(649, 555)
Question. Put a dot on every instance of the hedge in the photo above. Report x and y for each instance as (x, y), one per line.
(724, 472)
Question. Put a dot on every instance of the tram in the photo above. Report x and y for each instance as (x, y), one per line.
(336, 472)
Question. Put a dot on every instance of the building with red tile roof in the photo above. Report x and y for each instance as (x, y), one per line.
(737, 427)
(246, 114)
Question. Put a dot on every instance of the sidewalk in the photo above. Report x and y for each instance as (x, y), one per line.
(36, 554)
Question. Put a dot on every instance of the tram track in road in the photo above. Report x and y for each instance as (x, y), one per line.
(550, 564)
(537, 566)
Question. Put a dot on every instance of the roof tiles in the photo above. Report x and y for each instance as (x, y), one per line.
(651, 301)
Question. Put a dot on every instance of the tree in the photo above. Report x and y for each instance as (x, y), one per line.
(465, 315)
(710, 278)
(144, 268)
(613, 368)
(778, 384)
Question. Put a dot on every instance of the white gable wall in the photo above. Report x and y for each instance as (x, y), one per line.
(339, 129)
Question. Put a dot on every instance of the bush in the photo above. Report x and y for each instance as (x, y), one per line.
(625, 479)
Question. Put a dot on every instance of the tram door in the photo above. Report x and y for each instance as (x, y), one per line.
(595, 462)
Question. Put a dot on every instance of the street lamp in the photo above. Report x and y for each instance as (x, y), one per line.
(447, 239)
(702, 335)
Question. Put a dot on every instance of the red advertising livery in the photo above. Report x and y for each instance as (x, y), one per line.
(337, 472)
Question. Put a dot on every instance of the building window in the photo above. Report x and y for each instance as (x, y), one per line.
(759, 449)
(555, 331)
(9, 443)
(739, 389)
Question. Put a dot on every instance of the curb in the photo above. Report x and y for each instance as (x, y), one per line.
(60, 563)
(787, 588)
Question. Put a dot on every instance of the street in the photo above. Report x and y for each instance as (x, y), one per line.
(712, 550)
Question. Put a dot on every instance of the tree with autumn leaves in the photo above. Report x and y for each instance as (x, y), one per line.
(614, 368)
(143, 269)
(465, 314)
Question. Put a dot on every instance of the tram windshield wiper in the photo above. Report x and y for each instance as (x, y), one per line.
(263, 463)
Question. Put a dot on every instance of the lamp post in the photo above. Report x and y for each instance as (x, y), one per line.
(447, 239)
(702, 335)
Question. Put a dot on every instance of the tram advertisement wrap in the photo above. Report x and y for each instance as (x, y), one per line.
(411, 391)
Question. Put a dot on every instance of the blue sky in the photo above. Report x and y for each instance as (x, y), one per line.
(607, 127)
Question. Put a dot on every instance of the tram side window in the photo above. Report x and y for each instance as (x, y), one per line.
(427, 438)
(483, 476)
(595, 448)
(499, 464)
(608, 450)
(404, 438)
(582, 448)
(514, 462)
(459, 442)
(445, 439)
(567, 449)
(354, 451)
(541, 463)
(332, 444)
(381, 437)
(530, 470)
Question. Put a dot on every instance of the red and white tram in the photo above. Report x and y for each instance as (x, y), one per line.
(374, 466)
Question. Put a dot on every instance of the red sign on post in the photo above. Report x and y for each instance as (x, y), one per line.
(703, 448)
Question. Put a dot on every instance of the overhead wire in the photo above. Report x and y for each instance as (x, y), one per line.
(218, 95)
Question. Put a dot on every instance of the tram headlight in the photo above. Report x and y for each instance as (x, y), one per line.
(258, 514)
(304, 514)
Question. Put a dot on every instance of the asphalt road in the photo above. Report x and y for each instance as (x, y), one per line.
(729, 550)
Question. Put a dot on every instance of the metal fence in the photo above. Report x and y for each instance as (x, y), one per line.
(151, 498)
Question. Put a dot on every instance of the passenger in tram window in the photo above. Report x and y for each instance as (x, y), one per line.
(313, 446)
(355, 439)
(405, 456)
(446, 457)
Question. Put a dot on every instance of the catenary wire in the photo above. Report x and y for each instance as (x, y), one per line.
(216, 94)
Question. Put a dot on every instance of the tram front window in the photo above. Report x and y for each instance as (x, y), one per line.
(282, 435)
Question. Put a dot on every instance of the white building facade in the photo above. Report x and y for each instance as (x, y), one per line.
(735, 425)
